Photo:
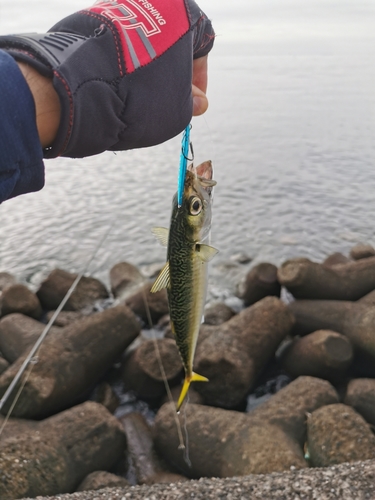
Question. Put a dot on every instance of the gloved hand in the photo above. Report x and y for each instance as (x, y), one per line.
(122, 70)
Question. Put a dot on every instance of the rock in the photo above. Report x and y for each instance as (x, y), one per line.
(334, 259)
(309, 280)
(360, 395)
(54, 288)
(65, 318)
(31, 466)
(261, 281)
(6, 280)
(233, 354)
(146, 464)
(355, 320)
(216, 313)
(103, 394)
(362, 251)
(141, 371)
(94, 439)
(157, 303)
(125, 279)
(102, 479)
(287, 409)
(72, 361)
(324, 354)
(18, 333)
(18, 298)
(224, 443)
(193, 397)
(337, 434)
(54, 455)
(4, 365)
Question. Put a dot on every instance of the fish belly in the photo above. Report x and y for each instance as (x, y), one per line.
(186, 302)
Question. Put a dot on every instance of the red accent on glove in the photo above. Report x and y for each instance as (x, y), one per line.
(146, 29)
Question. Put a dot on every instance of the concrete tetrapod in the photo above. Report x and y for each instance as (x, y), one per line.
(72, 361)
(261, 281)
(54, 455)
(324, 353)
(310, 280)
(224, 443)
(233, 354)
(337, 434)
(355, 320)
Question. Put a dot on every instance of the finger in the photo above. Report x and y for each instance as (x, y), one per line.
(200, 73)
(200, 101)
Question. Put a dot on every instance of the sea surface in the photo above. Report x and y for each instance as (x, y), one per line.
(290, 131)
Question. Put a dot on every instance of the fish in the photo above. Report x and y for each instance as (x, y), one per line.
(185, 273)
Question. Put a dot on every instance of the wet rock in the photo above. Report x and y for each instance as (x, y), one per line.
(261, 281)
(361, 396)
(18, 298)
(6, 280)
(18, 333)
(65, 318)
(362, 251)
(309, 280)
(54, 288)
(337, 434)
(335, 258)
(141, 371)
(102, 479)
(233, 354)
(241, 258)
(216, 313)
(72, 361)
(157, 303)
(103, 394)
(323, 354)
(125, 279)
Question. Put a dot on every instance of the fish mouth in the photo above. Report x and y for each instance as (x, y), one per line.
(204, 173)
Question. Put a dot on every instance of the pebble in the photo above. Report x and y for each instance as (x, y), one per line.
(343, 482)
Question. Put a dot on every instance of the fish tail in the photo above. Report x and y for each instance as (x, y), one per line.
(194, 377)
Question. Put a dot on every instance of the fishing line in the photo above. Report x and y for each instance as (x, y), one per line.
(186, 450)
(32, 354)
(25, 379)
(181, 445)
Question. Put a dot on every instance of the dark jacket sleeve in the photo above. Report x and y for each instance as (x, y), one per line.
(21, 154)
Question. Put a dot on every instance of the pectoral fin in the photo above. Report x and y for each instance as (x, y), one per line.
(205, 252)
(163, 280)
(161, 234)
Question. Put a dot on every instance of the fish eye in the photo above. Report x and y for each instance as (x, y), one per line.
(195, 205)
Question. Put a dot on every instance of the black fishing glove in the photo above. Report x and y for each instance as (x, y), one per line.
(122, 70)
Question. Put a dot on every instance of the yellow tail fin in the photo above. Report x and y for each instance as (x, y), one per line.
(193, 378)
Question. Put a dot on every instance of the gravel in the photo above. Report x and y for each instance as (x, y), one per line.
(347, 481)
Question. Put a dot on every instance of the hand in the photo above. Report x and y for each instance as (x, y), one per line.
(199, 86)
(47, 103)
(122, 72)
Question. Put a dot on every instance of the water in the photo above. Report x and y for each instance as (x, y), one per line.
(290, 129)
